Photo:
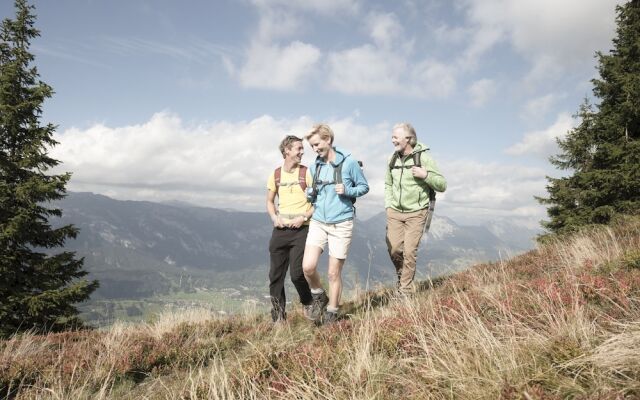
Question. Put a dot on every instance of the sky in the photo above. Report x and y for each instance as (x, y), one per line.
(167, 100)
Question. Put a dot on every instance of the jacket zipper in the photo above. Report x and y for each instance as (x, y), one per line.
(324, 203)
(400, 185)
(324, 200)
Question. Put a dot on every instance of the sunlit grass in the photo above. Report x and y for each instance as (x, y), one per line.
(562, 321)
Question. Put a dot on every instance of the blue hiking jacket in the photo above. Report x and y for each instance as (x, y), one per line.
(330, 207)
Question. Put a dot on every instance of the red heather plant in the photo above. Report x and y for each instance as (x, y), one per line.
(557, 322)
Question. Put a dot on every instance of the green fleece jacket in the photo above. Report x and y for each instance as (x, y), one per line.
(405, 193)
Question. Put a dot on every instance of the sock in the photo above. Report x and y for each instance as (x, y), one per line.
(317, 291)
(332, 309)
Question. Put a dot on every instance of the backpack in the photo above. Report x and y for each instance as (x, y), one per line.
(432, 193)
(337, 178)
(302, 178)
(394, 158)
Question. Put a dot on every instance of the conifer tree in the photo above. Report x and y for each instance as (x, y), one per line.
(603, 151)
(38, 285)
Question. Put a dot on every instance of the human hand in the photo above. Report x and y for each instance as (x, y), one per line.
(340, 188)
(277, 222)
(296, 222)
(418, 172)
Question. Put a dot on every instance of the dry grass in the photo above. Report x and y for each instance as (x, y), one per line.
(559, 322)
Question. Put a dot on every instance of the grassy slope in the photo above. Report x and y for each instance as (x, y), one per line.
(562, 321)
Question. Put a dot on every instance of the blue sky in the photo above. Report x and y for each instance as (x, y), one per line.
(165, 100)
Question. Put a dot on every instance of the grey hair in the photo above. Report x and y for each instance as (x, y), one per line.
(409, 131)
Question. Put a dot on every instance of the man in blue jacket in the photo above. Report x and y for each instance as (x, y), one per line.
(337, 181)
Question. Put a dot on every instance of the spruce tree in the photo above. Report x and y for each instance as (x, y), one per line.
(39, 285)
(603, 152)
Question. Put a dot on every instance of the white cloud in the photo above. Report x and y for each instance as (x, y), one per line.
(388, 65)
(365, 69)
(384, 29)
(384, 66)
(276, 24)
(480, 41)
(192, 50)
(538, 107)
(544, 69)
(569, 31)
(431, 79)
(481, 191)
(327, 7)
(270, 64)
(226, 164)
(372, 70)
(453, 35)
(276, 67)
(284, 18)
(552, 35)
(481, 92)
(221, 164)
(543, 143)
(68, 52)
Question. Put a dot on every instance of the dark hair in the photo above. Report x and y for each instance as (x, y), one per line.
(287, 142)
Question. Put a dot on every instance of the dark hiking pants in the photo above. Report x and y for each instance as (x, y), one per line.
(286, 249)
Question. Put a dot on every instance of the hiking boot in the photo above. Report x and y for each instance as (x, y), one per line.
(307, 310)
(329, 317)
(318, 305)
(400, 296)
(278, 316)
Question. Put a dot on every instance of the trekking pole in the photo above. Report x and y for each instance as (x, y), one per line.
(432, 206)
(427, 224)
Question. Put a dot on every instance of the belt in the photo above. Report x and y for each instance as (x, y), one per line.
(291, 216)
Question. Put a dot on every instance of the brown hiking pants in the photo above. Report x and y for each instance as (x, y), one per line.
(404, 231)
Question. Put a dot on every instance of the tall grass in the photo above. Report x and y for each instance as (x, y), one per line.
(562, 321)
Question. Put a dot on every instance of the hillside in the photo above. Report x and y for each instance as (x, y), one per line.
(561, 321)
(149, 256)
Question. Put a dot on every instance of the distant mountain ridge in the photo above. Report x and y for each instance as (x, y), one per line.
(139, 249)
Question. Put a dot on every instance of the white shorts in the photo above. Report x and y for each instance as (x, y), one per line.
(337, 235)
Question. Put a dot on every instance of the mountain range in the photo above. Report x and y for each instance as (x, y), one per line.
(139, 249)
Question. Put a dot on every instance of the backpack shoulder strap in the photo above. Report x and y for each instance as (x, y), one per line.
(316, 175)
(337, 177)
(392, 162)
(337, 173)
(416, 159)
(432, 193)
(276, 178)
(302, 177)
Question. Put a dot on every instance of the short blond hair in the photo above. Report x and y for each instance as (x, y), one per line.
(408, 129)
(323, 131)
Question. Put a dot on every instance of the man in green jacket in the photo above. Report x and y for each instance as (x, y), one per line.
(411, 176)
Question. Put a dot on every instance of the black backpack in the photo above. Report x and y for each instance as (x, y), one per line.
(417, 163)
(337, 179)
